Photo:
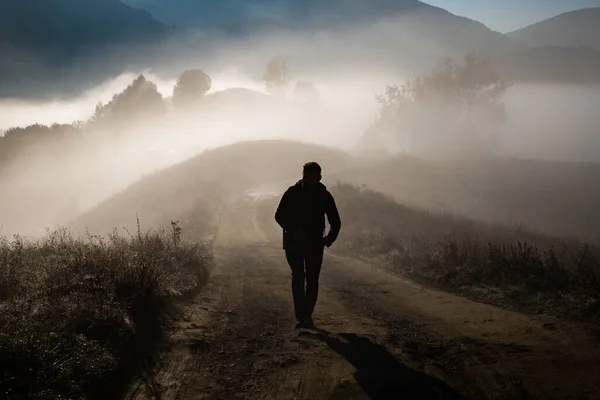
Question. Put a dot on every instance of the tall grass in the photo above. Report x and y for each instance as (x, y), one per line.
(506, 265)
(79, 318)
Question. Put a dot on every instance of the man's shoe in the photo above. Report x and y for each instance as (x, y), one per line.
(300, 324)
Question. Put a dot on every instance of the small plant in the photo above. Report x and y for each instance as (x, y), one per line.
(176, 232)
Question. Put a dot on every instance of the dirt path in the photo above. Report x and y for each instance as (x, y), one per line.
(379, 337)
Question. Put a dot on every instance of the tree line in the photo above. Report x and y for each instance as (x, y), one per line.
(459, 102)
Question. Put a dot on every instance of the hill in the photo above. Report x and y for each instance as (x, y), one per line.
(69, 26)
(419, 24)
(559, 198)
(555, 197)
(579, 28)
(239, 97)
(42, 42)
(196, 189)
(558, 64)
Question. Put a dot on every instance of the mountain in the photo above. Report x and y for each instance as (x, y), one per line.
(414, 19)
(42, 40)
(558, 64)
(72, 24)
(579, 28)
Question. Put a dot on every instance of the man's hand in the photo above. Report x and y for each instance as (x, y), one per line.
(327, 241)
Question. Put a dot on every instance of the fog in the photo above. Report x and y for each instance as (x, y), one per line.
(20, 113)
(41, 189)
(104, 163)
(553, 122)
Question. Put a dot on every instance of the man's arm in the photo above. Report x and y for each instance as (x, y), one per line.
(282, 215)
(333, 217)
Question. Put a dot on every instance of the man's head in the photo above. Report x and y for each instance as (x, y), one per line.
(311, 173)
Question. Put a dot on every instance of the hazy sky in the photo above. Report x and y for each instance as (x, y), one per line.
(508, 15)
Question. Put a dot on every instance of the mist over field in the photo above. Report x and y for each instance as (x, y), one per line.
(539, 103)
(547, 121)
(145, 149)
(544, 121)
(554, 122)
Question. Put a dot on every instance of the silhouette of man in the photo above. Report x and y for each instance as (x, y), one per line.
(301, 215)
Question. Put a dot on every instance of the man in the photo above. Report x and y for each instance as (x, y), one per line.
(301, 215)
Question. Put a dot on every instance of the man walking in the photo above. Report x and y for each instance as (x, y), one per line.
(301, 215)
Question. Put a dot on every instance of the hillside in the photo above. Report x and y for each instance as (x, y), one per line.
(45, 41)
(112, 304)
(71, 26)
(555, 197)
(559, 198)
(196, 189)
(558, 64)
(579, 28)
(414, 20)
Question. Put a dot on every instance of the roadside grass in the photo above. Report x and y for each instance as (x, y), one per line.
(80, 318)
(508, 266)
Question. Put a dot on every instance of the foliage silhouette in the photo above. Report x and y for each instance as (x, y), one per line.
(458, 104)
(191, 86)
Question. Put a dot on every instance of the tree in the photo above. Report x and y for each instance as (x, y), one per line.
(191, 86)
(306, 91)
(276, 76)
(457, 105)
(53, 142)
(39, 133)
(138, 101)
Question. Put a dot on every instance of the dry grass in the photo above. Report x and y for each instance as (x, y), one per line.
(79, 318)
(509, 266)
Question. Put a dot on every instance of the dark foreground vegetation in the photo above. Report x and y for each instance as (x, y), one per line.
(509, 266)
(79, 318)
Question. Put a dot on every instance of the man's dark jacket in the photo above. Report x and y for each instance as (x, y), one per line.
(303, 209)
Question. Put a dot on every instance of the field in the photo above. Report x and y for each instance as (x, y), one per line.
(80, 317)
(109, 309)
(145, 149)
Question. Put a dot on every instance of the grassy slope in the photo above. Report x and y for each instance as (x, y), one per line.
(193, 191)
(104, 290)
(558, 198)
(80, 318)
(508, 266)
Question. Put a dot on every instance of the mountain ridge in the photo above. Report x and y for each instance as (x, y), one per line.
(49, 43)
(431, 21)
(579, 28)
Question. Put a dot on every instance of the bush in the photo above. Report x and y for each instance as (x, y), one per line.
(80, 318)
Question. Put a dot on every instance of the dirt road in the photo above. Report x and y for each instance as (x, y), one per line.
(379, 336)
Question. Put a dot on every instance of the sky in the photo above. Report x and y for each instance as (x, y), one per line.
(508, 15)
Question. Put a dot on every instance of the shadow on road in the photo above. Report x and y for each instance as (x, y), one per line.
(380, 374)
